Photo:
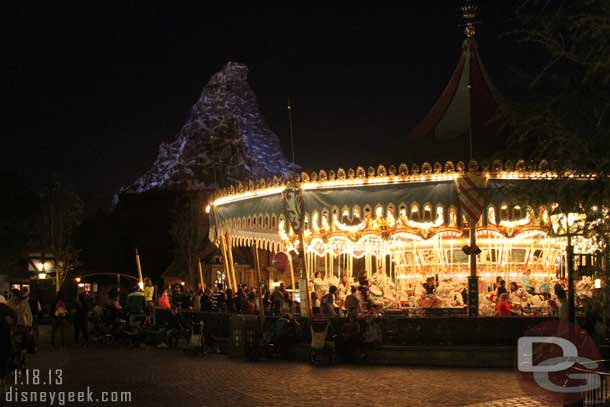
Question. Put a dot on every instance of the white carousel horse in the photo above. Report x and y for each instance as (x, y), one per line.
(376, 295)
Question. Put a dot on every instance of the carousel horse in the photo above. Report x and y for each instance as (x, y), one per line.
(487, 305)
(320, 287)
(376, 295)
(389, 299)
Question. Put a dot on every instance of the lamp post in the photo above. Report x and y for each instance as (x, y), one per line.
(567, 224)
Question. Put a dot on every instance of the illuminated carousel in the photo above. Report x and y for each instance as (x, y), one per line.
(403, 225)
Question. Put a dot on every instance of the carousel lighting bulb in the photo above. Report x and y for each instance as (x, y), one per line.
(208, 208)
(598, 283)
(141, 285)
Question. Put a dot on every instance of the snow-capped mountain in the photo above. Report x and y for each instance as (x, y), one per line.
(224, 141)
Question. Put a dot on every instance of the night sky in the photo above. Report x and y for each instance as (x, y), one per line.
(92, 92)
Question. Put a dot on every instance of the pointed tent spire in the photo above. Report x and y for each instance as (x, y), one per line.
(465, 108)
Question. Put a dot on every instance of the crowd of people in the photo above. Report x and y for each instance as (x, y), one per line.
(245, 300)
(522, 298)
(329, 296)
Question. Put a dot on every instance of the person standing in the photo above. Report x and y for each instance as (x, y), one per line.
(24, 317)
(278, 299)
(8, 319)
(363, 288)
(206, 301)
(504, 307)
(149, 291)
(22, 308)
(327, 304)
(352, 303)
(149, 295)
(164, 300)
(81, 315)
(562, 302)
(36, 310)
(501, 288)
(219, 299)
(60, 311)
(230, 300)
(343, 290)
(287, 303)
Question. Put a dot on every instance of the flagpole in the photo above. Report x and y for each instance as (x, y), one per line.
(470, 141)
(291, 134)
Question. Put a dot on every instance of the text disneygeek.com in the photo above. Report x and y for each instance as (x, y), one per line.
(15, 397)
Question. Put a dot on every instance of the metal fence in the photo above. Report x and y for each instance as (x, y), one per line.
(599, 397)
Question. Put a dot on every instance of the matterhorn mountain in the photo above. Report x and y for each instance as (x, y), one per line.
(224, 141)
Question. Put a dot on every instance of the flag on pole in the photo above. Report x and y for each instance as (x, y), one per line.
(472, 194)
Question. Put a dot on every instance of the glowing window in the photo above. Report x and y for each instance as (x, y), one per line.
(491, 215)
(427, 213)
(414, 215)
(452, 217)
(504, 212)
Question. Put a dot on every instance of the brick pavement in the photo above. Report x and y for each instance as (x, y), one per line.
(171, 378)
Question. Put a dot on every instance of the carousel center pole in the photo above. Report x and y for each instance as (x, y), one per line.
(301, 265)
(473, 279)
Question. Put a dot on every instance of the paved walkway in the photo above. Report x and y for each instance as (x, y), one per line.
(512, 402)
(169, 377)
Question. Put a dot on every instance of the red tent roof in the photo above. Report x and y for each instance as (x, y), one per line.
(466, 107)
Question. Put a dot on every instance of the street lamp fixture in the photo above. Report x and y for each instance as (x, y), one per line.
(568, 223)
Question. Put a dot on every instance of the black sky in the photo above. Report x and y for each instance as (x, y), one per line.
(93, 90)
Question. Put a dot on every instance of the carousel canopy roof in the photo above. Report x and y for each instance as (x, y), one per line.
(468, 104)
(255, 210)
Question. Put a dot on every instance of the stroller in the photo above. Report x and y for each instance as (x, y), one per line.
(196, 341)
(109, 326)
(266, 345)
(322, 349)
